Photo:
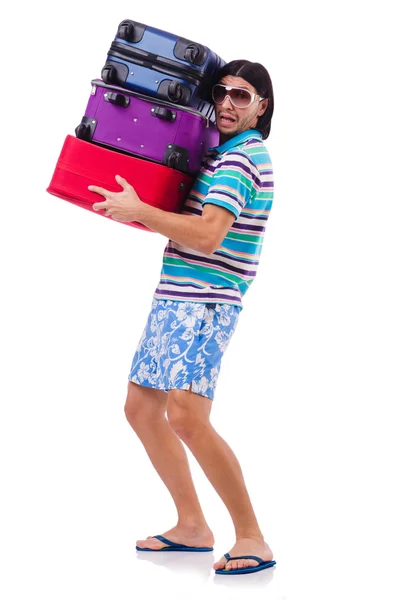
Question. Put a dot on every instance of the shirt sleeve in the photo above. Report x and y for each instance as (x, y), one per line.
(233, 183)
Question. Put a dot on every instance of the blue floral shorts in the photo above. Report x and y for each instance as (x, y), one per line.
(182, 346)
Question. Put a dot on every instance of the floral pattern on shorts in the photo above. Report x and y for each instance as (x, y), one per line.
(183, 344)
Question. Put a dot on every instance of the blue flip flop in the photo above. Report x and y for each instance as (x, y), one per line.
(263, 564)
(173, 547)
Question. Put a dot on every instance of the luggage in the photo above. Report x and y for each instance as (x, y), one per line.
(157, 63)
(175, 136)
(149, 120)
(81, 164)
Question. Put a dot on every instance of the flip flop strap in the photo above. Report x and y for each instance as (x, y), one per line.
(257, 558)
(168, 542)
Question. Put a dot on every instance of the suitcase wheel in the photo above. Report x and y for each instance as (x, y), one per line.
(192, 52)
(175, 91)
(109, 74)
(126, 31)
(172, 160)
(82, 132)
(131, 31)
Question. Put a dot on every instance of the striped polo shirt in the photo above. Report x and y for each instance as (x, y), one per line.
(238, 176)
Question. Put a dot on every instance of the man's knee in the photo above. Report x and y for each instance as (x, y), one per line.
(187, 413)
(143, 404)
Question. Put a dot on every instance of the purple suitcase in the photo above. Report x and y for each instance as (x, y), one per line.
(131, 123)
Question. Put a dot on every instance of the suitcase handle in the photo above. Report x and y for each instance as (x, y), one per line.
(118, 99)
(163, 113)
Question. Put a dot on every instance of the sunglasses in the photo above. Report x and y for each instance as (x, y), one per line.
(239, 97)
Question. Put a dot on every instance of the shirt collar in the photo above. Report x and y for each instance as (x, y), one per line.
(236, 140)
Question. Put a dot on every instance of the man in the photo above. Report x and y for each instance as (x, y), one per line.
(209, 262)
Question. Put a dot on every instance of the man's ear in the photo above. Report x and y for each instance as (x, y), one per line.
(263, 106)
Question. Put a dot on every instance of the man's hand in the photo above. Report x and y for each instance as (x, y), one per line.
(121, 206)
(203, 233)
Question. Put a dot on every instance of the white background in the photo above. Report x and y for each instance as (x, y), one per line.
(308, 385)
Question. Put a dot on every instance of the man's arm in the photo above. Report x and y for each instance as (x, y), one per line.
(204, 233)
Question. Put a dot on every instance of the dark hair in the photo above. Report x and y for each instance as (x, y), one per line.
(256, 75)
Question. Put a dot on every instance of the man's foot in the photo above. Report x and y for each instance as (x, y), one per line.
(242, 547)
(199, 537)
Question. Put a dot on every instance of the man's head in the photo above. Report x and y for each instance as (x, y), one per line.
(243, 99)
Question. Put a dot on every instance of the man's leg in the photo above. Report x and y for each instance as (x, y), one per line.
(145, 411)
(188, 415)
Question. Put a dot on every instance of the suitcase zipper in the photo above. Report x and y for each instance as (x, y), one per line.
(150, 61)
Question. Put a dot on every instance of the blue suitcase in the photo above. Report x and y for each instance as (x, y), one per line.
(157, 63)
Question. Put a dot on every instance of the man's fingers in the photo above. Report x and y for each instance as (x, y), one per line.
(120, 180)
(99, 190)
(123, 182)
(99, 205)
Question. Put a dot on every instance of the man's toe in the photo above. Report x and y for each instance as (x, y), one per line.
(240, 563)
(220, 564)
(151, 543)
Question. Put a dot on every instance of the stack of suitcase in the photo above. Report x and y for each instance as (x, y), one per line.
(150, 119)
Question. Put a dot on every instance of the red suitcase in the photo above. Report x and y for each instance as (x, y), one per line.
(82, 163)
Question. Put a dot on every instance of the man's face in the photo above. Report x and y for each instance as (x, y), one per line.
(231, 120)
